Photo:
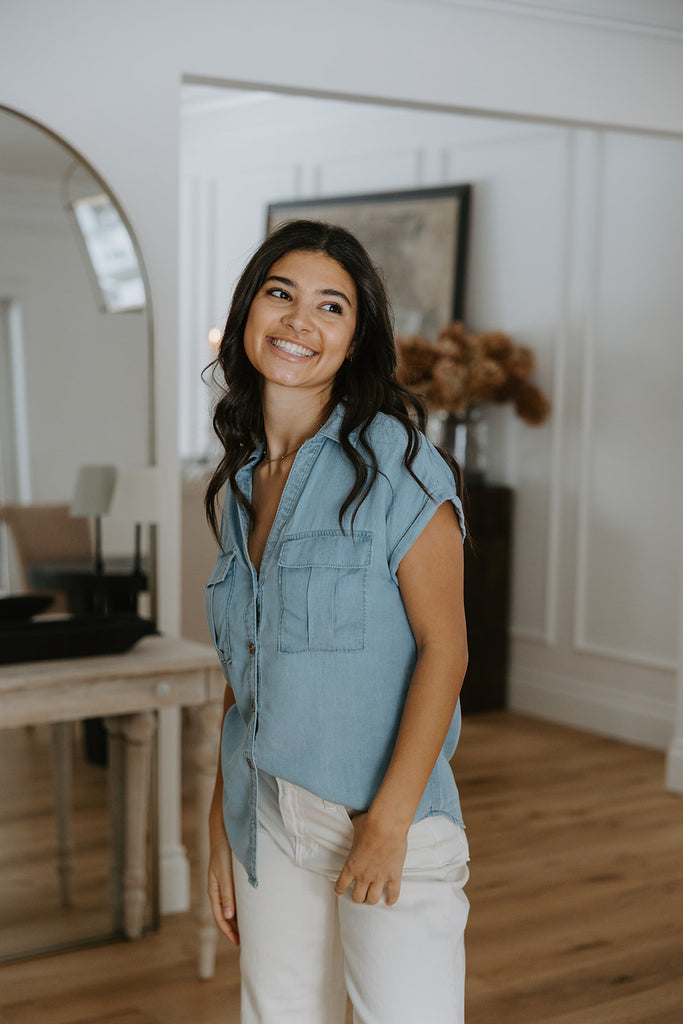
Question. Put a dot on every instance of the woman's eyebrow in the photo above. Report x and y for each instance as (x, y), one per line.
(336, 294)
(321, 291)
(282, 280)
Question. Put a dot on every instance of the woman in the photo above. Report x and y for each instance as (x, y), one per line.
(338, 855)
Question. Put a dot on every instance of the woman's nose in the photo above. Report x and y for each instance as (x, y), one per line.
(298, 318)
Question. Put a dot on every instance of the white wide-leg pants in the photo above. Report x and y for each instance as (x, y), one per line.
(303, 947)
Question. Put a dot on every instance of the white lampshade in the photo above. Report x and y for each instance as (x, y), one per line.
(137, 495)
(93, 491)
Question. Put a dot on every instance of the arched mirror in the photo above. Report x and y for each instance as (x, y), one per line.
(76, 389)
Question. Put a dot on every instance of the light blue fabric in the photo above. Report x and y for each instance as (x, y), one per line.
(317, 646)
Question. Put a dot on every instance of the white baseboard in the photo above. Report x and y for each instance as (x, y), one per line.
(674, 765)
(174, 880)
(632, 718)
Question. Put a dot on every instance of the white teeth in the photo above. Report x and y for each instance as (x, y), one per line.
(291, 347)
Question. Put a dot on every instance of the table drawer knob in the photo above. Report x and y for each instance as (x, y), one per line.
(163, 689)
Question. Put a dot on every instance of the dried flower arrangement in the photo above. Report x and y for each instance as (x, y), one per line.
(461, 369)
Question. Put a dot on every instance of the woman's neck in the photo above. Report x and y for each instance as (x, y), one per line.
(290, 420)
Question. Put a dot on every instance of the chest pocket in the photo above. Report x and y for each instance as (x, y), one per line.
(322, 580)
(217, 598)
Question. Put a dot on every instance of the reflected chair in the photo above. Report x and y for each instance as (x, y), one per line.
(47, 533)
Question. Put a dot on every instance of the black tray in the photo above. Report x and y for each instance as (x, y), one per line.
(23, 606)
(84, 636)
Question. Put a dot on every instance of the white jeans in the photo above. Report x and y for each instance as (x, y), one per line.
(303, 947)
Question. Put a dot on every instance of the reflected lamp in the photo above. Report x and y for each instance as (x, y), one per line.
(136, 499)
(92, 497)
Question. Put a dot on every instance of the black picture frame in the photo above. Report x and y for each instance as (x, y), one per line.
(418, 238)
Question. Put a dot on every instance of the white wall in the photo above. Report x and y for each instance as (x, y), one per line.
(107, 78)
(576, 242)
(86, 371)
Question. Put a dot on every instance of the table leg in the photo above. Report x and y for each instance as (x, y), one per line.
(206, 721)
(134, 733)
(62, 733)
(116, 788)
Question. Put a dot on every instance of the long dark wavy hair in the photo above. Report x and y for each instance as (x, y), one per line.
(366, 382)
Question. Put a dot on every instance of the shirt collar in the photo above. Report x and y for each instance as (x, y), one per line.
(254, 457)
(332, 426)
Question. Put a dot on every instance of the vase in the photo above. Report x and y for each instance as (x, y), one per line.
(465, 436)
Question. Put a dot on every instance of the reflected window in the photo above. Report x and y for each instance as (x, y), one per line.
(111, 253)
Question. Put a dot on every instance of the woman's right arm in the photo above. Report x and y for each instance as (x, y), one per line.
(221, 887)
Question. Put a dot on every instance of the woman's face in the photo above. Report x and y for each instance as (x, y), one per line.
(301, 322)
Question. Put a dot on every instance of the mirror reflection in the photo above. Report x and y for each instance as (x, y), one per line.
(75, 392)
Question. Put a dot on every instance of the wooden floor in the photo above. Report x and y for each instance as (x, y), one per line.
(576, 894)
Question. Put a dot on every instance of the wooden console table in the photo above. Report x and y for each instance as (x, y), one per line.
(126, 690)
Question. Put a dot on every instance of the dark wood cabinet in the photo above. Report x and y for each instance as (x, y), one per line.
(487, 597)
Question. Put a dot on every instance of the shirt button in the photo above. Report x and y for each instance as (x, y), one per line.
(250, 763)
(253, 706)
(251, 648)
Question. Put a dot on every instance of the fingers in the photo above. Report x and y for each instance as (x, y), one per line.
(222, 897)
(229, 923)
(374, 862)
(371, 893)
(360, 891)
(365, 891)
(393, 892)
(346, 878)
(374, 893)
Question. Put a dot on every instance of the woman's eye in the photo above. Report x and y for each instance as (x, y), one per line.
(278, 293)
(333, 307)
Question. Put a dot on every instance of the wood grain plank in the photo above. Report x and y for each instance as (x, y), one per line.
(576, 899)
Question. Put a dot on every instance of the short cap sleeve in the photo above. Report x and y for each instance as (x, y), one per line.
(410, 508)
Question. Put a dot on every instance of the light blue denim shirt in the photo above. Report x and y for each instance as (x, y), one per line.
(317, 646)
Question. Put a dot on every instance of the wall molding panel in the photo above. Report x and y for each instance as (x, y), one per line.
(674, 766)
(558, 441)
(545, 631)
(593, 707)
(200, 212)
(619, 654)
(586, 426)
(533, 636)
(602, 611)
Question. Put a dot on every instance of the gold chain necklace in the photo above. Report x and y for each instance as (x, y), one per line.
(280, 458)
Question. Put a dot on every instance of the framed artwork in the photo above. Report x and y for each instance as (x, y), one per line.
(418, 238)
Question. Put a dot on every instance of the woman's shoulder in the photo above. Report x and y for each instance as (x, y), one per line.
(389, 440)
(412, 494)
(390, 434)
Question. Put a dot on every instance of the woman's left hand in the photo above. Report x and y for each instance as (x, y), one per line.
(375, 861)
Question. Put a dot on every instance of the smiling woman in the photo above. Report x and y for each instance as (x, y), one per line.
(342, 563)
